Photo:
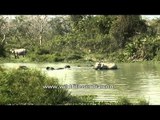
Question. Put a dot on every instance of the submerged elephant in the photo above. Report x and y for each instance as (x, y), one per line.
(105, 66)
(67, 66)
(59, 68)
(49, 68)
(23, 67)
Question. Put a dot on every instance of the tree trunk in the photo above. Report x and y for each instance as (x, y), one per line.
(40, 40)
(4, 37)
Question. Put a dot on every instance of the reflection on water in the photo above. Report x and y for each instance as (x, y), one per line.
(131, 79)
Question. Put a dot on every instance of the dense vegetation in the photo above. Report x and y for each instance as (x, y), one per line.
(26, 87)
(81, 37)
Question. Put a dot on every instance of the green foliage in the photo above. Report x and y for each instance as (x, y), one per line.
(46, 58)
(26, 87)
(126, 101)
(73, 56)
(42, 51)
(60, 26)
(123, 101)
(1, 69)
(127, 26)
(89, 100)
(142, 47)
(58, 59)
(157, 57)
(123, 37)
(2, 51)
(142, 101)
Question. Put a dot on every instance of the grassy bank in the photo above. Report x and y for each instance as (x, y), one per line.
(88, 59)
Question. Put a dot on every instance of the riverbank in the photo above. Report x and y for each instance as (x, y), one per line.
(88, 62)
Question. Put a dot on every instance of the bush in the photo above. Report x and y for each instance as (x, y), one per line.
(157, 57)
(1, 69)
(58, 59)
(74, 57)
(142, 101)
(123, 101)
(41, 58)
(26, 87)
(42, 51)
(126, 101)
(46, 58)
(2, 51)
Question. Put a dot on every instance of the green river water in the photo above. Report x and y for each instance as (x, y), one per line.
(134, 80)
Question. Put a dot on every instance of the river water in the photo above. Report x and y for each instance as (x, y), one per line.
(134, 80)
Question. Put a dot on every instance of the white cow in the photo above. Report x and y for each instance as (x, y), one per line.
(18, 52)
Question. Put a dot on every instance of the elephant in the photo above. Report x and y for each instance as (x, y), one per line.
(51, 68)
(18, 52)
(22, 67)
(47, 68)
(105, 66)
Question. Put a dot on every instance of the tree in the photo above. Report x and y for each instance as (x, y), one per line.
(60, 25)
(76, 19)
(104, 23)
(125, 27)
(4, 29)
(39, 27)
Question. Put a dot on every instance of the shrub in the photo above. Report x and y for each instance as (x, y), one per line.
(74, 57)
(1, 69)
(123, 101)
(142, 101)
(126, 101)
(26, 87)
(42, 51)
(2, 51)
(58, 59)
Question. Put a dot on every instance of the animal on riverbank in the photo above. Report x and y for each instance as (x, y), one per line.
(19, 52)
